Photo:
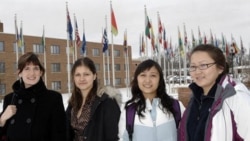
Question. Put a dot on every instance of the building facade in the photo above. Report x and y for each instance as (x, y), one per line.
(54, 58)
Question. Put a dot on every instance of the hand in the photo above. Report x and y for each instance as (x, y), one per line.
(8, 113)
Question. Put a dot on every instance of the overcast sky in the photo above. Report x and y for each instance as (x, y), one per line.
(221, 16)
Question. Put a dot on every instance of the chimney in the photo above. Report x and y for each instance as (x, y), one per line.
(1, 26)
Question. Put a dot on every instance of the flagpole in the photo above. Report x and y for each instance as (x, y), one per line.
(103, 60)
(146, 20)
(107, 51)
(67, 48)
(17, 40)
(44, 54)
(185, 55)
(75, 51)
(21, 37)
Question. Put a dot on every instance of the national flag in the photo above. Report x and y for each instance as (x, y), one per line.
(193, 39)
(180, 43)
(142, 47)
(21, 41)
(235, 49)
(165, 44)
(69, 28)
(199, 35)
(242, 47)
(77, 37)
(223, 43)
(185, 36)
(84, 43)
(125, 41)
(160, 29)
(211, 37)
(114, 29)
(105, 41)
(147, 24)
(16, 29)
(205, 38)
(152, 39)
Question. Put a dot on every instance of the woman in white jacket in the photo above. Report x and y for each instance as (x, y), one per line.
(156, 116)
(220, 107)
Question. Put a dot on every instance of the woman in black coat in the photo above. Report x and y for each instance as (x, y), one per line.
(32, 112)
(93, 115)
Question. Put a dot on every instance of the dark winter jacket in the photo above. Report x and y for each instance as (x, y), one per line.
(40, 114)
(104, 118)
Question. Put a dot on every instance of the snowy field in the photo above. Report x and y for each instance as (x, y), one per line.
(171, 90)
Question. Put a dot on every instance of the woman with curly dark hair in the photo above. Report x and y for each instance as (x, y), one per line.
(155, 114)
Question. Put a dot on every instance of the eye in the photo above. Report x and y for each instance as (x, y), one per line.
(203, 66)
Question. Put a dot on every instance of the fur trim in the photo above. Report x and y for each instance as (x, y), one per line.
(111, 92)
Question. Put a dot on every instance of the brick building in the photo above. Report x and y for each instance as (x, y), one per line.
(56, 61)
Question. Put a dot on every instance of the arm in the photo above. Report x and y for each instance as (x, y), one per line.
(111, 120)
(58, 128)
(7, 114)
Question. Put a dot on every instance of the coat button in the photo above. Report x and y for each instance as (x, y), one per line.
(12, 121)
(85, 137)
(32, 100)
(20, 101)
(28, 120)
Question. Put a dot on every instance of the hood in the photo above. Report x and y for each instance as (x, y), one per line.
(111, 92)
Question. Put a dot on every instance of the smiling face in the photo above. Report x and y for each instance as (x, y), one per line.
(148, 82)
(30, 74)
(206, 77)
(84, 79)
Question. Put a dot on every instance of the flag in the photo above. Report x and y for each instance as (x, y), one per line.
(153, 39)
(105, 41)
(21, 41)
(234, 46)
(160, 29)
(185, 36)
(199, 34)
(147, 24)
(114, 29)
(84, 43)
(205, 38)
(142, 47)
(16, 29)
(125, 41)
(77, 37)
(43, 39)
(69, 28)
(193, 39)
(211, 37)
(180, 43)
(242, 47)
(165, 44)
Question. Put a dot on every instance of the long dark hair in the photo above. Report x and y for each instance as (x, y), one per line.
(76, 98)
(166, 100)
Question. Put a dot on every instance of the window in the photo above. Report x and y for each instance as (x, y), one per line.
(96, 52)
(117, 53)
(117, 67)
(118, 81)
(56, 85)
(14, 48)
(2, 67)
(97, 66)
(106, 67)
(55, 67)
(1, 47)
(54, 49)
(2, 89)
(38, 48)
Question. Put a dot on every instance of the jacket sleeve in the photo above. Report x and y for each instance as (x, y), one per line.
(111, 120)
(58, 128)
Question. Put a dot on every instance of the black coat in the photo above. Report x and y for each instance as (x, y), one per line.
(40, 114)
(103, 123)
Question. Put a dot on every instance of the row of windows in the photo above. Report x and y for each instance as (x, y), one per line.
(55, 85)
(55, 49)
(56, 67)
